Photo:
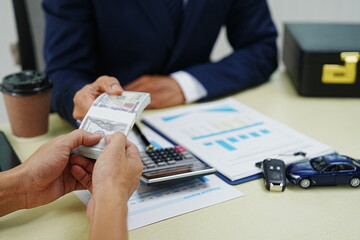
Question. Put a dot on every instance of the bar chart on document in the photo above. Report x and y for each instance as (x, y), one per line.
(230, 136)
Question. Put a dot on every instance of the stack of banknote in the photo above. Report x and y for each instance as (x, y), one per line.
(110, 114)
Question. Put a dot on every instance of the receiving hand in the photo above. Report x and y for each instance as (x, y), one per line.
(164, 90)
(45, 175)
(87, 95)
(114, 176)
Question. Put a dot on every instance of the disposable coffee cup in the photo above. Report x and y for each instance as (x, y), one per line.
(27, 100)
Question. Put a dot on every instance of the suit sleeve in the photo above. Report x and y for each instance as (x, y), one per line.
(69, 51)
(252, 35)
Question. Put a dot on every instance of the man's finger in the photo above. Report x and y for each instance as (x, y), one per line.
(109, 84)
(79, 137)
(82, 169)
(83, 162)
(131, 149)
(83, 177)
(83, 100)
(115, 147)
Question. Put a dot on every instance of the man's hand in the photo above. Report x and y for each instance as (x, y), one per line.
(87, 95)
(164, 90)
(45, 175)
(111, 180)
(117, 169)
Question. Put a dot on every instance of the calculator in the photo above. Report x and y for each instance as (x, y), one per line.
(171, 164)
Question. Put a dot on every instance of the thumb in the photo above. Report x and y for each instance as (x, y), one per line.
(110, 85)
(80, 137)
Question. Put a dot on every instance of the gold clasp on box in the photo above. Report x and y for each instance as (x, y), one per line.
(341, 74)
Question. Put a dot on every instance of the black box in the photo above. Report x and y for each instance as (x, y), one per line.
(322, 59)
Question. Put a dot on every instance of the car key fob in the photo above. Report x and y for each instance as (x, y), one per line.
(274, 174)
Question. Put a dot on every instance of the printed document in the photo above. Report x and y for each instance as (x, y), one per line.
(231, 136)
(156, 203)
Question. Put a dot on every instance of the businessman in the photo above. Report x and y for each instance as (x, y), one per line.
(160, 46)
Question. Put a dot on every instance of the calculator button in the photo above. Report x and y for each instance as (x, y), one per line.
(148, 162)
(177, 158)
(171, 162)
(152, 165)
(179, 148)
(187, 155)
(155, 158)
(161, 164)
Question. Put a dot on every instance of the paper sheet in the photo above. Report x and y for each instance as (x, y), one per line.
(152, 204)
(232, 137)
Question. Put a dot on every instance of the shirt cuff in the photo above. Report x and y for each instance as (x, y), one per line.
(191, 87)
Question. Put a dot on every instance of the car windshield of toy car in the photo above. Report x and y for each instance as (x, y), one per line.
(356, 162)
(318, 164)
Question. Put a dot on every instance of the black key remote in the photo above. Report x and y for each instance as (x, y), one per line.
(274, 174)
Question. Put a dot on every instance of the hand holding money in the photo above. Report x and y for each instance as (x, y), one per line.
(109, 114)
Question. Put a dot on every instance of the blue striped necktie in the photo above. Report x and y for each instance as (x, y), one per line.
(175, 10)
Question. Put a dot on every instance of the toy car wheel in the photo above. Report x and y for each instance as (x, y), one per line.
(355, 182)
(305, 183)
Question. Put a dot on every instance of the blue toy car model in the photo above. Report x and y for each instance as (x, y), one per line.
(329, 169)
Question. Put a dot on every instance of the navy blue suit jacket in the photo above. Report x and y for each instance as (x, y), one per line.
(129, 38)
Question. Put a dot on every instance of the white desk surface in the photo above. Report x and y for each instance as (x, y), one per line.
(330, 212)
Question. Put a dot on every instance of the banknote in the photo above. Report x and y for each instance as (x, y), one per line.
(110, 114)
(133, 102)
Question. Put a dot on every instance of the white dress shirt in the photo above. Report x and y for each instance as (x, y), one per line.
(192, 89)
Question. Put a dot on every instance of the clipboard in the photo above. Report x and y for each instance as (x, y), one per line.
(231, 137)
